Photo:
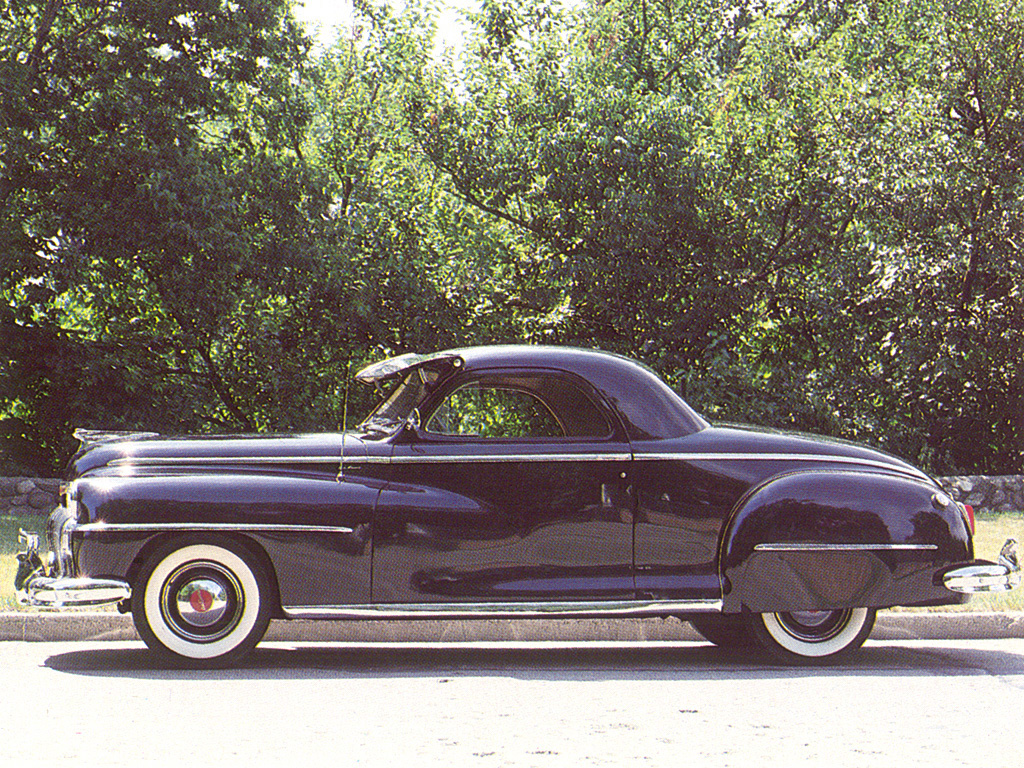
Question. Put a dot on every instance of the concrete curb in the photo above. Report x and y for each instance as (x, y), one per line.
(35, 626)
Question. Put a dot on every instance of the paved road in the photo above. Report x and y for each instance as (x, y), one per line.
(931, 703)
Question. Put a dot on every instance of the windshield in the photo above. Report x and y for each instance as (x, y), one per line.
(399, 403)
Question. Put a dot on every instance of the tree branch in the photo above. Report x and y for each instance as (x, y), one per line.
(201, 347)
(46, 20)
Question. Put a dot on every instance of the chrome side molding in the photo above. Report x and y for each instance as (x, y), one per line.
(510, 610)
(798, 546)
(102, 527)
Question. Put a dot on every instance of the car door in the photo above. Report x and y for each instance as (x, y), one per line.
(515, 487)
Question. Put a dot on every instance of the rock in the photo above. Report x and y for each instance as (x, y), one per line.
(41, 500)
(50, 485)
(25, 486)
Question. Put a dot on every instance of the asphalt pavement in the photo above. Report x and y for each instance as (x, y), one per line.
(906, 703)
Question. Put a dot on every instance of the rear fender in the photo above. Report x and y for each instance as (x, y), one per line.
(824, 540)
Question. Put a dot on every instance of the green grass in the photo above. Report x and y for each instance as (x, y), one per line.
(9, 525)
(993, 530)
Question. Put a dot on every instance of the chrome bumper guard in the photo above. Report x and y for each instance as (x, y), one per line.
(39, 585)
(1001, 576)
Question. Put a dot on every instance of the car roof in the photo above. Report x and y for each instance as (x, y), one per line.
(648, 407)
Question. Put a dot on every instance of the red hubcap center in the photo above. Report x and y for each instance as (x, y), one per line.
(201, 601)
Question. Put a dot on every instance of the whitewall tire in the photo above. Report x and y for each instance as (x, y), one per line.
(201, 603)
(809, 637)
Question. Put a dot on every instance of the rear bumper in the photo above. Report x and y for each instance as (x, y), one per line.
(983, 576)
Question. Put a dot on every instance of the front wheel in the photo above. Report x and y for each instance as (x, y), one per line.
(200, 603)
(811, 637)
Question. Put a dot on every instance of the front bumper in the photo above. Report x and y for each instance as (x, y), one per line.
(983, 576)
(53, 584)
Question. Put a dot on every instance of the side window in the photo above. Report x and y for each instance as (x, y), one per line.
(535, 405)
(483, 411)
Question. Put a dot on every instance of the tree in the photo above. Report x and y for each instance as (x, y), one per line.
(782, 208)
(802, 214)
(133, 135)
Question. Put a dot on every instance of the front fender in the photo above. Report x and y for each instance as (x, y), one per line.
(825, 539)
(314, 532)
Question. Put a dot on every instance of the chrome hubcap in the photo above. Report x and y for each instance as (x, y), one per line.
(811, 618)
(202, 602)
(814, 626)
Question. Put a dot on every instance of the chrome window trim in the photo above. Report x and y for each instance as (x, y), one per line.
(511, 610)
(815, 547)
(159, 527)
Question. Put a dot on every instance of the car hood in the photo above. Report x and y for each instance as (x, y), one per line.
(147, 450)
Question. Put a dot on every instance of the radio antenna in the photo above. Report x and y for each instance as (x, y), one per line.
(344, 413)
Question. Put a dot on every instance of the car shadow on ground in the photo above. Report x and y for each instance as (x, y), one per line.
(563, 661)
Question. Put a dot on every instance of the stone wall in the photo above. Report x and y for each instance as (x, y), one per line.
(28, 495)
(1005, 493)
(1001, 493)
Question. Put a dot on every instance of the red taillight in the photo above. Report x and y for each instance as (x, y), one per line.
(969, 514)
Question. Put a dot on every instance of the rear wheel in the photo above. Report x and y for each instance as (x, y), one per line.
(728, 630)
(201, 603)
(810, 637)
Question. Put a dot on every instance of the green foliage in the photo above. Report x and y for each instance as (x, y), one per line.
(494, 412)
(785, 209)
(801, 214)
(134, 205)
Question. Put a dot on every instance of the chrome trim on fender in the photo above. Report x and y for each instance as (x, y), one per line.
(816, 547)
(817, 457)
(270, 527)
(156, 461)
(511, 610)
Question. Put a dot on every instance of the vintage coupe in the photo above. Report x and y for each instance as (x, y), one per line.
(506, 482)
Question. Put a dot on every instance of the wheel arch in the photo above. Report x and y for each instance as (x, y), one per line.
(249, 545)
